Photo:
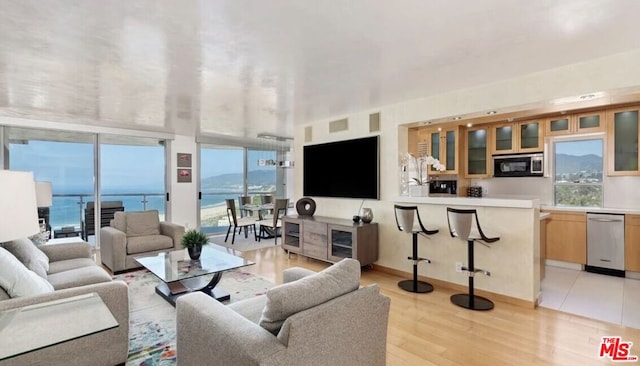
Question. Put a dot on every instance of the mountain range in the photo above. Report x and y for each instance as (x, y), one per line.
(255, 177)
(566, 164)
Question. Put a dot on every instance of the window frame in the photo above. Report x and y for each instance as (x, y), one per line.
(574, 138)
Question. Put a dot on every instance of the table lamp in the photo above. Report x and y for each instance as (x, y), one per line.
(18, 207)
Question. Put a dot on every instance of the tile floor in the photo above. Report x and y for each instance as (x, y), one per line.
(596, 296)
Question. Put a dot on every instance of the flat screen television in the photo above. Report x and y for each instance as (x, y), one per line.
(347, 169)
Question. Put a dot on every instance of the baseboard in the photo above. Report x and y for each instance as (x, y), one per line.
(634, 275)
(457, 287)
(560, 264)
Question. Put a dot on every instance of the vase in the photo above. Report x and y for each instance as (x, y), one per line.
(404, 181)
(419, 191)
(194, 252)
(367, 215)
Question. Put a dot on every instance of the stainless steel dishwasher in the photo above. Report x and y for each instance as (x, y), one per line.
(605, 243)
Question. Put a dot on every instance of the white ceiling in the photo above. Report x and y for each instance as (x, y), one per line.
(241, 67)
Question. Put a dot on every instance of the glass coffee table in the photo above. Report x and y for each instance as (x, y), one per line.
(32, 327)
(181, 275)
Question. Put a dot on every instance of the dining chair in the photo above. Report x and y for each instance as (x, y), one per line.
(235, 222)
(271, 226)
(244, 200)
(266, 198)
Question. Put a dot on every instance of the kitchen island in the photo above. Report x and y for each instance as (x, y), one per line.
(514, 260)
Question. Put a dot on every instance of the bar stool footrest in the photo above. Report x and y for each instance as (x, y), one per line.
(479, 302)
(420, 287)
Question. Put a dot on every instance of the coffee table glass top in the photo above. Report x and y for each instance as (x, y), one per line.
(176, 265)
(33, 327)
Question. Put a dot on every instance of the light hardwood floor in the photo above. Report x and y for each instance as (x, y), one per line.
(426, 329)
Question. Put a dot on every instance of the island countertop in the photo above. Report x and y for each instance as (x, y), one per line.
(489, 201)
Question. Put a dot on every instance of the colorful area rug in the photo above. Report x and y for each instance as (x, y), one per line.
(152, 320)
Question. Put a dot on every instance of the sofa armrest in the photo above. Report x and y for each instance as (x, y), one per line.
(60, 252)
(113, 248)
(295, 273)
(172, 230)
(208, 330)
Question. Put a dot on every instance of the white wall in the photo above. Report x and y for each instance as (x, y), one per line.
(183, 205)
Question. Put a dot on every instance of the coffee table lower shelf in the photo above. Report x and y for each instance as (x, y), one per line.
(173, 290)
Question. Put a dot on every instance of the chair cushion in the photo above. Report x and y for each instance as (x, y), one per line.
(17, 280)
(119, 221)
(143, 223)
(79, 277)
(290, 298)
(250, 308)
(149, 243)
(27, 253)
(68, 264)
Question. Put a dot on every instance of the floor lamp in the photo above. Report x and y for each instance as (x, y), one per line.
(18, 208)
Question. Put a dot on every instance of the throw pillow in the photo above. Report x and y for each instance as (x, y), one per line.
(290, 298)
(19, 281)
(143, 223)
(30, 255)
(120, 221)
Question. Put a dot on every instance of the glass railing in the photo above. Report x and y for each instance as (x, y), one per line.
(68, 209)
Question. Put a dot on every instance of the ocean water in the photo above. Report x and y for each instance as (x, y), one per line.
(69, 210)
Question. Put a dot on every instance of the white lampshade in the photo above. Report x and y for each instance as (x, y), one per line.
(18, 209)
(44, 194)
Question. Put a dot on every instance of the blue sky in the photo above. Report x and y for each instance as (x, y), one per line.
(69, 166)
(579, 148)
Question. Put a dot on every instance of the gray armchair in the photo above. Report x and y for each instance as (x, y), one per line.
(136, 233)
(322, 318)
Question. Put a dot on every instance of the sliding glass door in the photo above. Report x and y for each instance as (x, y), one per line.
(66, 159)
(221, 177)
(132, 172)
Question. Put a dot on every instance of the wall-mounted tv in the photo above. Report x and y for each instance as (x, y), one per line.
(348, 169)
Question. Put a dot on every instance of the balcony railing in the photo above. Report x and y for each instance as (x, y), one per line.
(68, 209)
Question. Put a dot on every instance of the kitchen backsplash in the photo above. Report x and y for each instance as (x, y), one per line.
(619, 192)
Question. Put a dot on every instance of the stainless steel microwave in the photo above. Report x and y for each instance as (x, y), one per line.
(520, 165)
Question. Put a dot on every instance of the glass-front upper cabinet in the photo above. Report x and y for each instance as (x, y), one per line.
(622, 145)
(503, 138)
(442, 144)
(575, 124)
(477, 152)
(517, 137)
(530, 136)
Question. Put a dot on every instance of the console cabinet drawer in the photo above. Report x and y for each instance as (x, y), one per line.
(315, 227)
(316, 251)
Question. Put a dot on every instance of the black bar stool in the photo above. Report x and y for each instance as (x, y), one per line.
(462, 225)
(408, 221)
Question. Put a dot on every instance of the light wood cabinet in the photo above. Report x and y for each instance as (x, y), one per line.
(622, 141)
(530, 136)
(566, 237)
(330, 239)
(575, 124)
(632, 243)
(443, 144)
(477, 156)
(543, 248)
(517, 137)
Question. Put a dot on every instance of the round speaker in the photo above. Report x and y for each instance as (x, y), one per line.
(306, 206)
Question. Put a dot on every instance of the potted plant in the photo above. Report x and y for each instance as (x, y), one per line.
(193, 240)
